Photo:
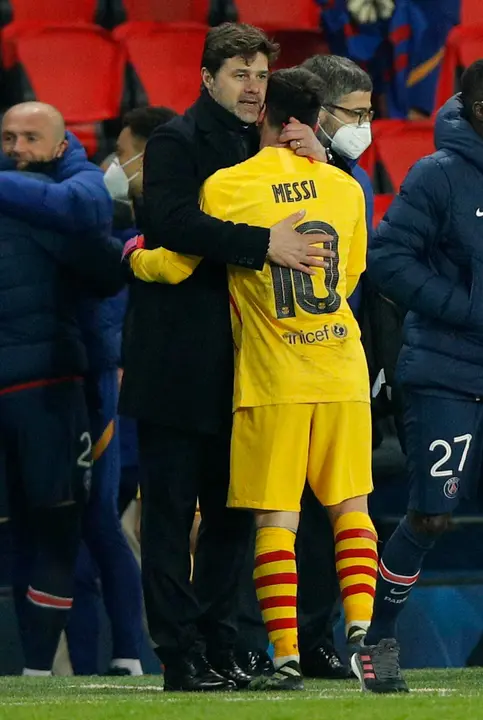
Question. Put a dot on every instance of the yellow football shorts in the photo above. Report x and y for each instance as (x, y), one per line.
(276, 448)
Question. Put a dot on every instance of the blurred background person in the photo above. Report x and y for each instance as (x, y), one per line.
(105, 554)
(45, 441)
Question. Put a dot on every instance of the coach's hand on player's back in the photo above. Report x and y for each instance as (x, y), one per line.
(289, 248)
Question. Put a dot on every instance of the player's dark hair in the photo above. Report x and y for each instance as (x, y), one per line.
(143, 121)
(339, 75)
(294, 92)
(472, 86)
(236, 39)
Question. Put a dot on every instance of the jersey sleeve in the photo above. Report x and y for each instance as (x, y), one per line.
(163, 266)
(356, 263)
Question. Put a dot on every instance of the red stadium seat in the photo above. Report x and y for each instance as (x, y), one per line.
(79, 70)
(162, 10)
(399, 145)
(463, 47)
(49, 11)
(381, 205)
(275, 14)
(298, 45)
(166, 60)
(471, 12)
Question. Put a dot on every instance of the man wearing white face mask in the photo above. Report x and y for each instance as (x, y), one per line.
(124, 176)
(344, 128)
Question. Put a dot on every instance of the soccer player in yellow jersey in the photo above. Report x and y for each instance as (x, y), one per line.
(301, 396)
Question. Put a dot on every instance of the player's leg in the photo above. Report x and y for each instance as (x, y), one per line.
(269, 465)
(442, 462)
(340, 475)
(119, 573)
(54, 454)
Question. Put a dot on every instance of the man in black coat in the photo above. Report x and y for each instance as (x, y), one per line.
(178, 362)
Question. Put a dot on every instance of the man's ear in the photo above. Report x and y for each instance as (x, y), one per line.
(262, 115)
(62, 148)
(206, 78)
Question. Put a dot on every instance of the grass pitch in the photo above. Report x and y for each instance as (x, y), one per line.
(435, 695)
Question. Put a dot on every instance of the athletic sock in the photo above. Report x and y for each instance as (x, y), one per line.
(275, 578)
(399, 570)
(356, 563)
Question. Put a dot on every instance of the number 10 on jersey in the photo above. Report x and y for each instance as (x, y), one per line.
(294, 286)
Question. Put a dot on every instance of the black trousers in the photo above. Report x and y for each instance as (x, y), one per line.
(318, 590)
(177, 468)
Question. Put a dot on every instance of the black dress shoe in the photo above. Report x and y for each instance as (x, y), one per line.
(256, 662)
(323, 662)
(225, 664)
(194, 674)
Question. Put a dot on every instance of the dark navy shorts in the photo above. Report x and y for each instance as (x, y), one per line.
(45, 445)
(444, 447)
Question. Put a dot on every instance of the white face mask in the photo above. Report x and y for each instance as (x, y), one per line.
(116, 180)
(350, 140)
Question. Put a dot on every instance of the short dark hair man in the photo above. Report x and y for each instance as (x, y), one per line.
(178, 371)
(426, 256)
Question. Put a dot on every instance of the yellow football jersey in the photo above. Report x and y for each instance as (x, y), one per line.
(297, 340)
(295, 336)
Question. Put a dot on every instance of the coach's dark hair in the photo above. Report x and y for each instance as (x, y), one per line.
(236, 39)
(472, 86)
(339, 75)
(143, 121)
(294, 92)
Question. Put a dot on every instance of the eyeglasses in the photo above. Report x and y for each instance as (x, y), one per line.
(362, 116)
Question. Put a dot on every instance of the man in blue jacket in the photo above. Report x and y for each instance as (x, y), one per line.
(78, 203)
(45, 442)
(427, 257)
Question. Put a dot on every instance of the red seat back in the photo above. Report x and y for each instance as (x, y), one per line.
(463, 46)
(156, 11)
(471, 12)
(399, 146)
(80, 71)
(48, 11)
(279, 13)
(167, 62)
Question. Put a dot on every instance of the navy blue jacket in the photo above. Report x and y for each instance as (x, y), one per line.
(42, 276)
(427, 256)
(76, 203)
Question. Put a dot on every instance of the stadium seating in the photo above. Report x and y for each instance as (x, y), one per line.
(279, 14)
(160, 11)
(79, 70)
(471, 12)
(166, 63)
(51, 11)
(463, 47)
(399, 144)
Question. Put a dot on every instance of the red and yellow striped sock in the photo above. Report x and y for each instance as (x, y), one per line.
(356, 563)
(275, 578)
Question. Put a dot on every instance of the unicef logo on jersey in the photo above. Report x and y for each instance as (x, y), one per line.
(339, 331)
(451, 488)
